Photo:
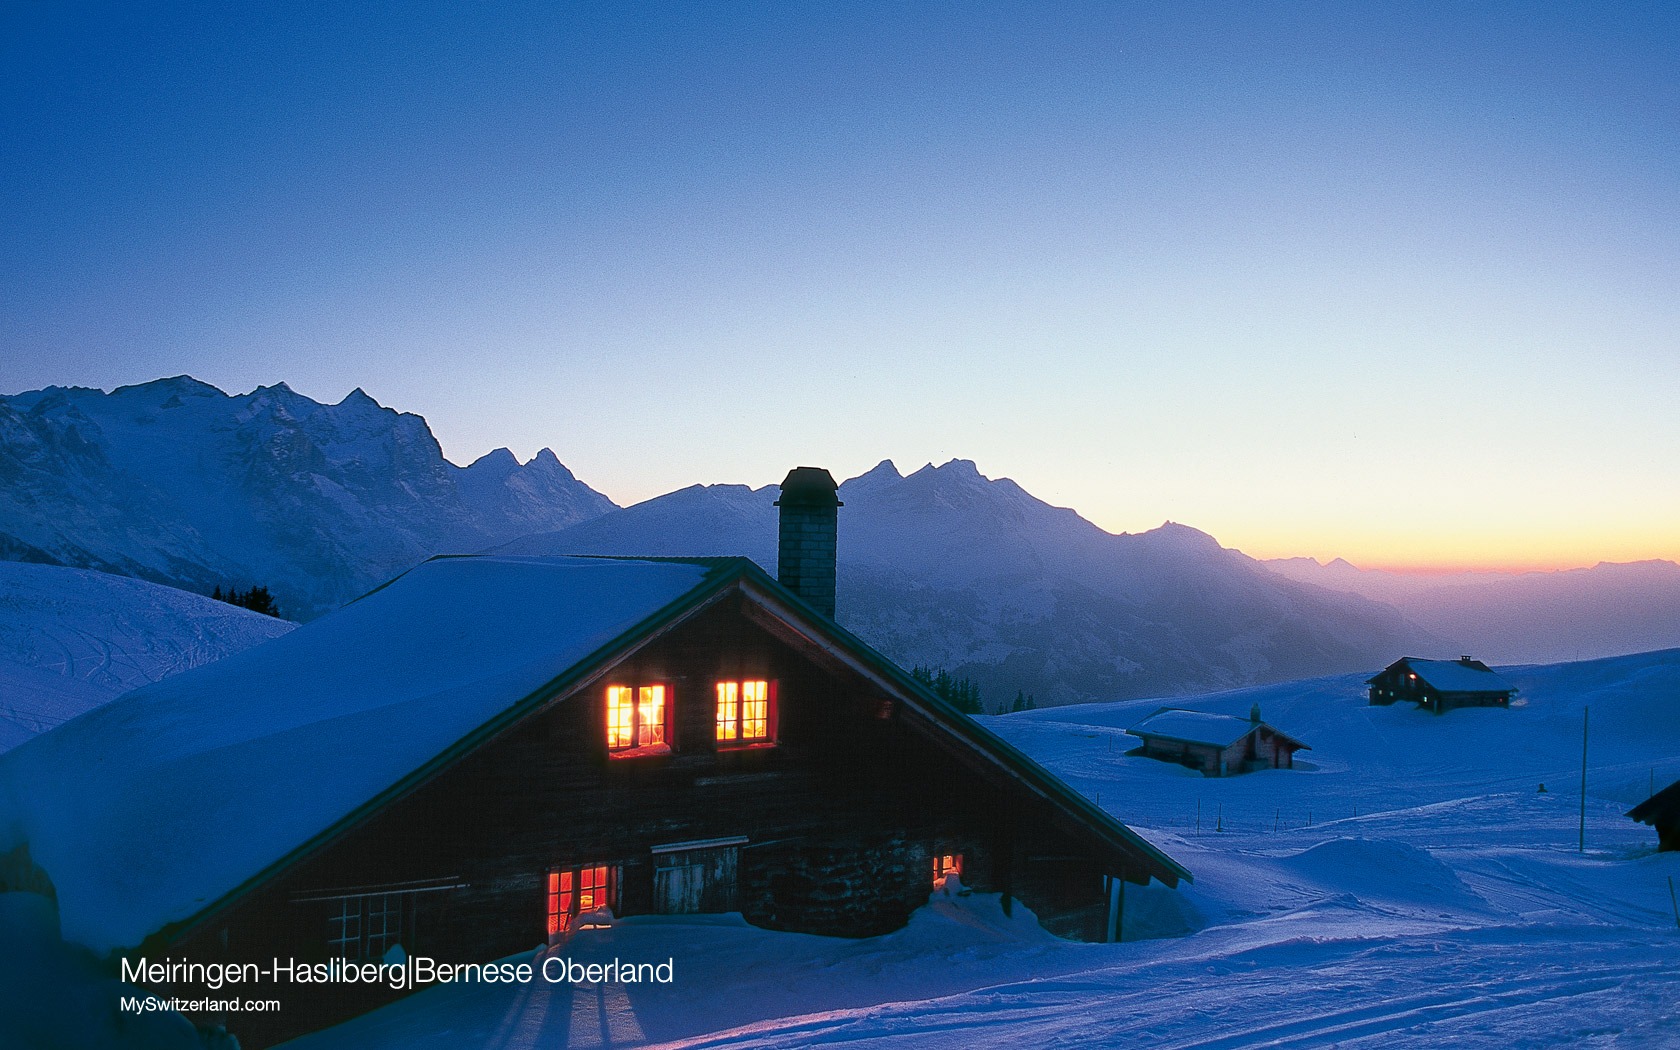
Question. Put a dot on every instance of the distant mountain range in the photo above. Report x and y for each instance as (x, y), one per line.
(949, 569)
(1532, 617)
(177, 482)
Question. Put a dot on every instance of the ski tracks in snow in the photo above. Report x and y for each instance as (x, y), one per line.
(1350, 994)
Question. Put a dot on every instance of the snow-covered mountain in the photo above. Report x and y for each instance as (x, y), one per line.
(948, 568)
(71, 639)
(1531, 617)
(177, 482)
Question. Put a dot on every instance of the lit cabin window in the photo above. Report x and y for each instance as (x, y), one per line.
(575, 892)
(745, 712)
(635, 717)
(946, 864)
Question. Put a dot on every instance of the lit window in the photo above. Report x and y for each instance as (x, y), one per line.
(635, 717)
(746, 712)
(729, 711)
(577, 891)
(946, 864)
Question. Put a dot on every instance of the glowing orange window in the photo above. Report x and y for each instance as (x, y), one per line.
(576, 891)
(946, 864)
(746, 712)
(635, 717)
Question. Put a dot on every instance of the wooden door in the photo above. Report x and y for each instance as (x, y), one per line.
(696, 881)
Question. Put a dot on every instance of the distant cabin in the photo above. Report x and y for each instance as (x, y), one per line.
(1218, 745)
(1441, 685)
(1662, 811)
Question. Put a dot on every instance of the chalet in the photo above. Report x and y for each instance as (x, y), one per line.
(1441, 685)
(1218, 745)
(1662, 811)
(489, 753)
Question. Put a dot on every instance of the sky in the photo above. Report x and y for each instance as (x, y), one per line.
(1392, 282)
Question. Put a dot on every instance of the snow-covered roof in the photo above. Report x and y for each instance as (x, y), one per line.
(165, 800)
(1200, 727)
(1456, 676)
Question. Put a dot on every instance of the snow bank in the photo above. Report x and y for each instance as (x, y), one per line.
(72, 639)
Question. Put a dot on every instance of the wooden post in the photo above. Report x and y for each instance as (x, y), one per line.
(1582, 846)
(1120, 912)
(1672, 902)
(1008, 880)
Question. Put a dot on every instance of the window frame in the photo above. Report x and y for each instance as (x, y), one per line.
(563, 896)
(946, 864)
(736, 721)
(637, 727)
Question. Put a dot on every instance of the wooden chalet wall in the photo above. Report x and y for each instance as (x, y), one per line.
(1263, 749)
(1266, 750)
(841, 820)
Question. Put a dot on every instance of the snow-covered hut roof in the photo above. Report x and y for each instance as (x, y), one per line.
(1201, 727)
(147, 810)
(1457, 676)
(1661, 810)
(178, 796)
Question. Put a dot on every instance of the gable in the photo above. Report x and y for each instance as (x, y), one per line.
(922, 712)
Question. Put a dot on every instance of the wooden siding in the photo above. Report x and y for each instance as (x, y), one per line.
(1262, 749)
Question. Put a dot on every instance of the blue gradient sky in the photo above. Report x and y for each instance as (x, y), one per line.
(1390, 282)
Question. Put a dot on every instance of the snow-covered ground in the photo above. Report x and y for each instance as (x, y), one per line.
(71, 639)
(1408, 885)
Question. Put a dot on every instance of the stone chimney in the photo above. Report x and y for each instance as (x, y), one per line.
(805, 545)
(1254, 714)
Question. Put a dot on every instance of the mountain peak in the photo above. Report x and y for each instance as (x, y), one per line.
(546, 462)
(1178, 536)
(880, 476)
(174, 386)
(952, 470)
(357, 398)
(499, 460)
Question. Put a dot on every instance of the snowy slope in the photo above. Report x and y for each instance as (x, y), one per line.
(1453, 910)
(178, 482)
(72, 639)
(948, 568)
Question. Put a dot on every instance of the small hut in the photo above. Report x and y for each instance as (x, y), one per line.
(1218, 745)
(1440, 685)
(1662, 811)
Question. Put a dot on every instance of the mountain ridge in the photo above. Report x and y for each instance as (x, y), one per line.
(178, 482)
(946, 567)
